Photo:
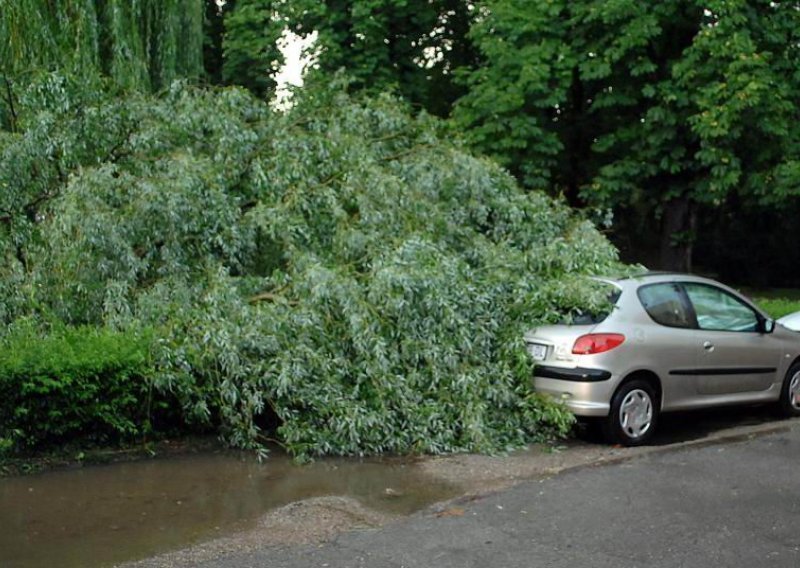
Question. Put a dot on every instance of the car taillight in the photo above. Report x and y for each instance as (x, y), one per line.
(597, 343)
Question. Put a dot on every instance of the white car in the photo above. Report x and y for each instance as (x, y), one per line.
(792, 321)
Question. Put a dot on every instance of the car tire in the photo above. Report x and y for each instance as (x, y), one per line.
(789, 403)
(634, 414)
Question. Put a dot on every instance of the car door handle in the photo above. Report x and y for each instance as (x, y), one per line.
(708, 346)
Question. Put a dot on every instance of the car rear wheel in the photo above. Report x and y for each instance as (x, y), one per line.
(790, 393)
(633, 416)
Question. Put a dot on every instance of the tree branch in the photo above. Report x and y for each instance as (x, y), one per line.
(111, 155)
(404, 153)
(9, 96)
(272, 297)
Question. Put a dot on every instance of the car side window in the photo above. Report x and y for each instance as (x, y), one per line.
(665, 304)
(719, 311)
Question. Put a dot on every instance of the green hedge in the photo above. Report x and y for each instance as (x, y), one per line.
(74, 383)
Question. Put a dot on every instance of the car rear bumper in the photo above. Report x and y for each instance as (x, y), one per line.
(578, 374)
(586, 392)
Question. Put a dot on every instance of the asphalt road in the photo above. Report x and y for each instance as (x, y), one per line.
(732, 505)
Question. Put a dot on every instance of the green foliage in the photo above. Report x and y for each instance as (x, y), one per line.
(213, 34)
(72, 383)
(140, 45)
(250, 46)
(655, 104)
(517, 101)
(409, 46)
(343, 269)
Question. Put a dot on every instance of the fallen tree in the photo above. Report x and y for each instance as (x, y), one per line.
(342, 278)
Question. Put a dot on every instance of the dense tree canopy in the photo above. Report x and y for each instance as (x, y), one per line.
(666, 105)
(251, 57)
(143, 45)
(410, 46)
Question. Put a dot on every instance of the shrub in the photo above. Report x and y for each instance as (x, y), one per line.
(72, 383)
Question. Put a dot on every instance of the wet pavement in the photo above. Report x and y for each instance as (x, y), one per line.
(102, 515)
(733, 506)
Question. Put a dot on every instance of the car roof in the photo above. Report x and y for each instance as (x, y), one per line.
(653, 277)
(637, 280)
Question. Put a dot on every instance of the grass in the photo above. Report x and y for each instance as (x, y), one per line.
(777, 302)
(778, 307)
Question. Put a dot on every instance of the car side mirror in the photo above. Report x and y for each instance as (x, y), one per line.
(768, 325)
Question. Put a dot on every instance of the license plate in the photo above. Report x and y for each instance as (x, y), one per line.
(537, 351)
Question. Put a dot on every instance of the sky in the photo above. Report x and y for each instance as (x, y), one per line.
(292, 46)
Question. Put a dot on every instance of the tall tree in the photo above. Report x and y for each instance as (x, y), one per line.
(251, 57)
(213, 33)
(141, 45)
(412, 46)
(668, 105)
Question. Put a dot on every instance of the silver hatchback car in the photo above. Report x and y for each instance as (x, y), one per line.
(671, 342)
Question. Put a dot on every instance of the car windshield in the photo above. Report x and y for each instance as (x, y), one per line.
(578, 317)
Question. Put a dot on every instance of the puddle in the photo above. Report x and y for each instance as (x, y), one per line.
(103, 515)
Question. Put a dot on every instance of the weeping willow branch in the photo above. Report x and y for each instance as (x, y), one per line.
(114, 153)
(404, 153)
(31, 208)
(272, 297)
(142, 45)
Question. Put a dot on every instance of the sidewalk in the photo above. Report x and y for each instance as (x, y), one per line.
(302, 529)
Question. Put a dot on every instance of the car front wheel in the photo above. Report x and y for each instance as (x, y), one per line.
(633, 416)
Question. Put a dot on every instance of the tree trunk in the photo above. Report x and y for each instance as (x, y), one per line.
(677, 235)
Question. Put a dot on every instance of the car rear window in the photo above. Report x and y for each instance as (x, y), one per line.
(593, 318)
(666, 305)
